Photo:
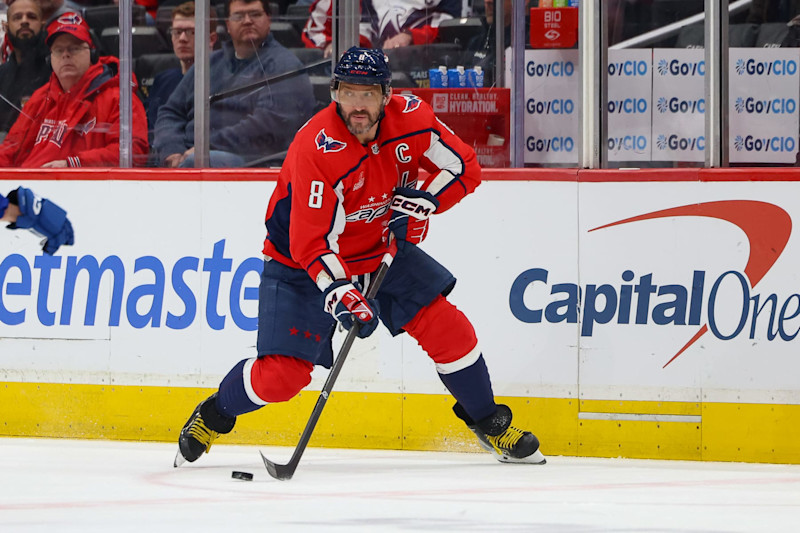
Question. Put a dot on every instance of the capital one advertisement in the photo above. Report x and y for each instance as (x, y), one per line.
(636, 290)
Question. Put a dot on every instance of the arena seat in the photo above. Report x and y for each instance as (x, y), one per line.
(147, 66)
(771, 34)
(101, 17)
(417, 60)
(285, 33)
(312, 55)
(145, 40)
(460, 31)
(322, 91)
(739, 35)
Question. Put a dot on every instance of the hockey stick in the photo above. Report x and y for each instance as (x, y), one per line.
(284, 472)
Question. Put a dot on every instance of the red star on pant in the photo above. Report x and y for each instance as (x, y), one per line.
(307, 334)
(293, 331)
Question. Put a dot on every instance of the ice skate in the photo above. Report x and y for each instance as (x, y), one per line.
(201, 430)
(497, 436)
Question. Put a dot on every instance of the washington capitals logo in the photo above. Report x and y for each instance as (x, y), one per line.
(412, 102)
(328, 144)
(71, 19)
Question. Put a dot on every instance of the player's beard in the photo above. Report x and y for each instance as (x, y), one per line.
(358, 129)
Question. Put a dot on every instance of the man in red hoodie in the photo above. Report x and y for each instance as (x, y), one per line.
(73, 120)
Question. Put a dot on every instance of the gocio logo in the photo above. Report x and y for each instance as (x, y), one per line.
(676, 142)
(629, 68)
(628, 106)
(649, 300)
(676, 105)
(750, 143)
(776, 106)
(556, 69)
(551, 144)
(557, 106)
(628, 143)
(778, 67)
(676, 67)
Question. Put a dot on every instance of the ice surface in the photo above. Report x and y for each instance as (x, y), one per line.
(86, 486)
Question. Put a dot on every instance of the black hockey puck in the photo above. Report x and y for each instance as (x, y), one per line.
(244, 476)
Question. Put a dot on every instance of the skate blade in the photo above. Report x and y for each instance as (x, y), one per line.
(536, 458)
(179, 460)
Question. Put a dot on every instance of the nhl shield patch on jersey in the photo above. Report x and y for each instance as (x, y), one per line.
(412, 103)
(326, 143)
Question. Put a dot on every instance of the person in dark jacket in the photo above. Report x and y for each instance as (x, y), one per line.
(244, 127)
(182, 34)
(27, 68)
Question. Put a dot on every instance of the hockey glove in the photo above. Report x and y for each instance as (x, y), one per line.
(43, 217)
(344, 301)
(3, 205)
(411, 209)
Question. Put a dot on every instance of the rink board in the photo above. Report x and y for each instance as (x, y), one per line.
(621, 313)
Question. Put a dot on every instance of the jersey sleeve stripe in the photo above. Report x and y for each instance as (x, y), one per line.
(339, 220)
(333, 266)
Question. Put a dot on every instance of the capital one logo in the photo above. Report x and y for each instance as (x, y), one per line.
(650, 301)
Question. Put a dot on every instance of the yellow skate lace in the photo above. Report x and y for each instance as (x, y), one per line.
(506, 440)
(199, 431)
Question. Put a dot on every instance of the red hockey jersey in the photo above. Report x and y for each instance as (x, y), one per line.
(330, 208)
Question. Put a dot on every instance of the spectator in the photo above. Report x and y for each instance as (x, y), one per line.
(383, 24)
(165, 82)
(151, 9)
(244, 127)
(73, 120)
(762, 11)
(52, 9)
(27, 68)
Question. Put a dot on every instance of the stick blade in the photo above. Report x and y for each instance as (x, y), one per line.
(280, 472)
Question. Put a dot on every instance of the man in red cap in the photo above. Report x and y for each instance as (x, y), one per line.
(73, 120)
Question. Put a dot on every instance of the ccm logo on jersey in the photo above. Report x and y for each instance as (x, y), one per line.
(327, 143)
(412, 103)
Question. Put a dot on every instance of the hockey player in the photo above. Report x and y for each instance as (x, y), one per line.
(349, 176)
(25, 210)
